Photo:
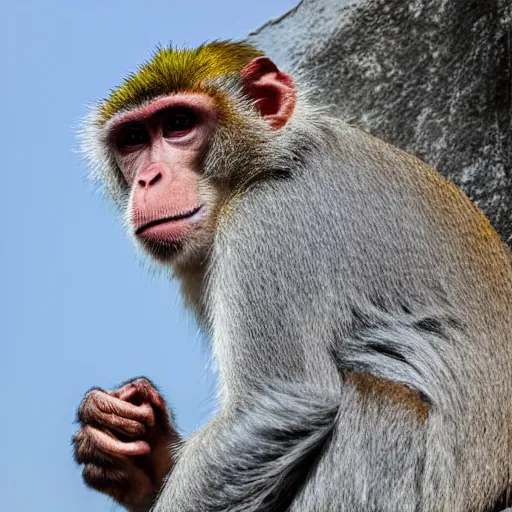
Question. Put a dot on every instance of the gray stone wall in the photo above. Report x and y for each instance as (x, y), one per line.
(432, 77)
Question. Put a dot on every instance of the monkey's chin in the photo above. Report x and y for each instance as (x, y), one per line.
(162, 251)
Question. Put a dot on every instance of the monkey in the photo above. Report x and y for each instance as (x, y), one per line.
(359, 306)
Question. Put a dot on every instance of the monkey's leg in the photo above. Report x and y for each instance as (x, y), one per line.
(459, 450)
(251, 457)
(376, 453)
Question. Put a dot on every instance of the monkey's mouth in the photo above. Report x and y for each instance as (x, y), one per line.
(165, 220)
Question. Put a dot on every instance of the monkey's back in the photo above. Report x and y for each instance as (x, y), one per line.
(391, 230)
(371, 256)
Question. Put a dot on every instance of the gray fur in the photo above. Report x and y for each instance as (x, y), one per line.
(432, 77)
(348, 257)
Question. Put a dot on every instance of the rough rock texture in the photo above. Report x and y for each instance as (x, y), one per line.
(432, 77)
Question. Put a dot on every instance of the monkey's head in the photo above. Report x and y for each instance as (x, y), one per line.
(182, 137)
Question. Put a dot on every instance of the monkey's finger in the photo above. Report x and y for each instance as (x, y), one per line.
(142, 388)
(118, 424)
(109, 444)
(97, 402)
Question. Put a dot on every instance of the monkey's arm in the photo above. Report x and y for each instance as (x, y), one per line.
(251, 456)
(124, 442)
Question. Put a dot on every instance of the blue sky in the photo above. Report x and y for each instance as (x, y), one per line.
(78, 307)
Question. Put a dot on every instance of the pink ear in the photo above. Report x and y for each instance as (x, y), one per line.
(273, 90)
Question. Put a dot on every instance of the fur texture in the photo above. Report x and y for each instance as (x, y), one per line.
(360, 309)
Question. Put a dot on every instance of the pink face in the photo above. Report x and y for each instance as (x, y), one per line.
(159, 149)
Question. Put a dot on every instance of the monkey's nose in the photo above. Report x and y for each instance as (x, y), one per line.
(143, 183)
(151, 174)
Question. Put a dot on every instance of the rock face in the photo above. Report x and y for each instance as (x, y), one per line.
(433, 77)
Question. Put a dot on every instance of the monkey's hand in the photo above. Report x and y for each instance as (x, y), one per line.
(124, 442)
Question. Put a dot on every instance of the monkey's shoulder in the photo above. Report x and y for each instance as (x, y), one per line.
(363, 203)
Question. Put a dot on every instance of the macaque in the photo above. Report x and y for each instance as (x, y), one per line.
(359, 306)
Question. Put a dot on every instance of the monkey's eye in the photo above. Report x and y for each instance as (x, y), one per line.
(178, 123)
(131, 136)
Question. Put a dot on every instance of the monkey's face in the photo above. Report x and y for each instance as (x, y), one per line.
(179, 158)
(160, 149)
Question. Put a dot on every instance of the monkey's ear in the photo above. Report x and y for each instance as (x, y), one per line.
(272, 89)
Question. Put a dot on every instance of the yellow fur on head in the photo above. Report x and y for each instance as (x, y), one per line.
(173, 70)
